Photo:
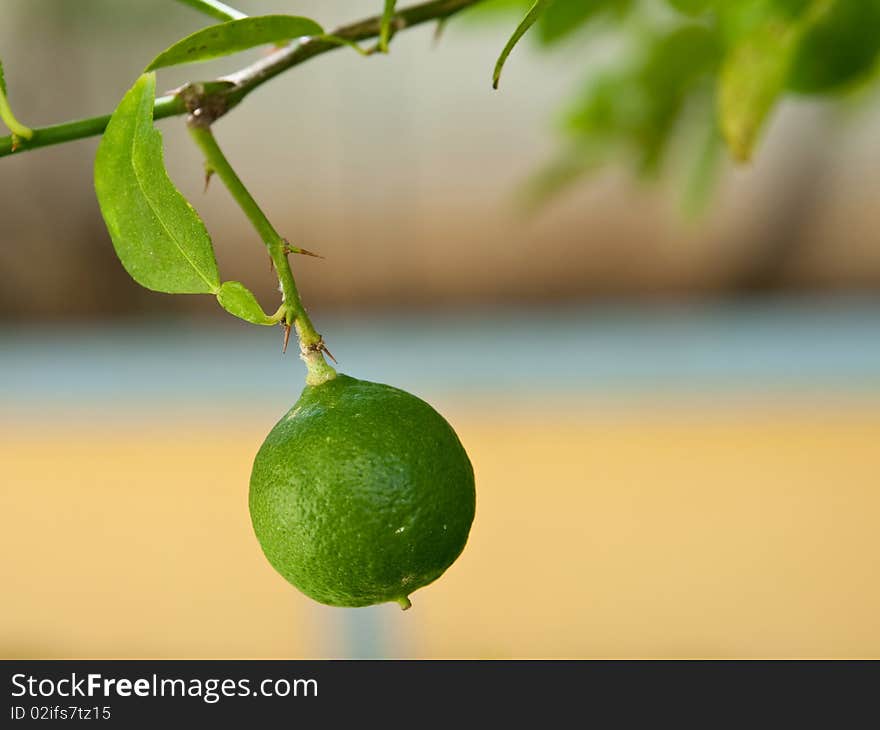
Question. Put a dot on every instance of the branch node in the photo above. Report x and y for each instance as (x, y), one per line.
(205, 102)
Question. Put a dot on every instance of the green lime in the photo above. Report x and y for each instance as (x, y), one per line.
(361, 494)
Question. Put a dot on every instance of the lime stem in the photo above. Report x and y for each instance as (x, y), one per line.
(311, 344)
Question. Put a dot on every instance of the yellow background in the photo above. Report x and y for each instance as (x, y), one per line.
(626, 529)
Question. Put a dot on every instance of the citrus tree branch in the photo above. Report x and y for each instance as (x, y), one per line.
(248, 78)
(166, 106)
(295, 315)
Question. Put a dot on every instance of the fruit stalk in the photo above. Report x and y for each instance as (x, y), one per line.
(310, 342)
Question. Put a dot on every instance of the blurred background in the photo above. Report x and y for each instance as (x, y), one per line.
(673, 411)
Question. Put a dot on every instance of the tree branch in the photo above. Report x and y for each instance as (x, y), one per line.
(248, 78)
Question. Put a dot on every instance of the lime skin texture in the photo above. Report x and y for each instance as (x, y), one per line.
(361, 494)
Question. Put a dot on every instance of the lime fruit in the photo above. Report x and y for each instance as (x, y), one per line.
(361, 494)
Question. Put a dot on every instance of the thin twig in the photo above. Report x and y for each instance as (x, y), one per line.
(250, 77)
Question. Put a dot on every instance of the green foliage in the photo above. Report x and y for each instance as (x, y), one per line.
(634, 109)
(755, 71)
(692, 7)
(673, 56)
(159, 238)
(233, 36)
(238, 300)
(839, 49)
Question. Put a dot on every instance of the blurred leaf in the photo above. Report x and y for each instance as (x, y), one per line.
(564, 17)
(638, 107)
(491, 11)
(561, 173)
(738, 56)
(526, 23)
(758, 63)
(234, 36)
(385, 28)
(159, 238)
(238, 300)
(840, 48)
(753, 77)
(738, 20)
(692, 7)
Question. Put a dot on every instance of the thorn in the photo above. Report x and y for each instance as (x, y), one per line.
(208, 174)
(303, 252)
(286, 338)
(319, 346)
(288, 249)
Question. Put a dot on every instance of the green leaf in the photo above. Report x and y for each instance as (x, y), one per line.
(159, 238)
(531, 17)
(237, 299)
(385, 28)
(751, 80)
(839, 49)
(233, 36)
(757, 67)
